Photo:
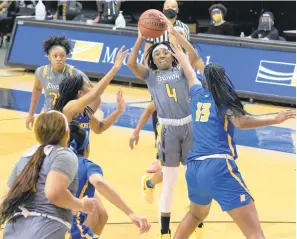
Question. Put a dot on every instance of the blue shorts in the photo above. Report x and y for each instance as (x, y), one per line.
(218, 179)
(82, 232)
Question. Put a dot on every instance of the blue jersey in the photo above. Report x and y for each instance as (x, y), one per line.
(86, 168)
(212, 130)
(84, 121)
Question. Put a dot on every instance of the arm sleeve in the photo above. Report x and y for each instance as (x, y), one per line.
(209, 29)
(254, 34)
(93, 168)
(38, 73)
(12, 177)
(66, 162)
(229, 30)
(273, 35)
(18, 168)
(195, 89)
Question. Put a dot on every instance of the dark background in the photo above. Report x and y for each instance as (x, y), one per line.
(243, 14)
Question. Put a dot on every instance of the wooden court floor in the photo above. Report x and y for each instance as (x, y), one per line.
(270, 174)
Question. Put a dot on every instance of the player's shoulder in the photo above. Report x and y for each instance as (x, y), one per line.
(198, 90)
(78, 72)
(41, 70)
(67, 152)
(91, 167)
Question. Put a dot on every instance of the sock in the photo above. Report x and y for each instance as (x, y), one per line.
(201, 225)
(149, 184)
(165, 221)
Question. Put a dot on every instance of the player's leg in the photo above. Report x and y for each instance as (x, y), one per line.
(156, 165)
(193, 218)
(170, 178)
(170, 157)
(231, 192)
(149, 182)
(98, 218)
(200, 203)
(155, 122)
(187, 139)
(157, 178)
(246, 218)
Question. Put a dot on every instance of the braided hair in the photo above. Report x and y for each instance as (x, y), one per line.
(149, 55)
(222, 90)
(77, 134)
(57, 41)
(68, 90)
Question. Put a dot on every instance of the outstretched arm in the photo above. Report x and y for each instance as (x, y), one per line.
(193, 55)
(111, 195)
(36, 93)
(99, 127)
(78, 105)
(186, 65)
(138, 69)
(251, 122)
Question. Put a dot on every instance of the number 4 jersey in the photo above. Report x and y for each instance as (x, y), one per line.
(51, 80)
(212, 130)
(170, 92)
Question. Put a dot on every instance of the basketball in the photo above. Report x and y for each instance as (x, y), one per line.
(150, 24)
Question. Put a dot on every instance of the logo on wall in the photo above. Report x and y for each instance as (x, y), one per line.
(277, 73)
(86, 51)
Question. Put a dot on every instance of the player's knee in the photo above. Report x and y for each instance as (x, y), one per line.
(201, 215)
(101, 222)
(103, 216)
(170, 177)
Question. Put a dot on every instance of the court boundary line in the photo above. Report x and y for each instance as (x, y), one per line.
(258, 115)
(206, 222)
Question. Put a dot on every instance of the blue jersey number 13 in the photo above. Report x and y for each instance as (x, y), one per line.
(203, 110)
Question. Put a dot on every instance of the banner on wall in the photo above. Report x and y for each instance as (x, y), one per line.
(259, 71)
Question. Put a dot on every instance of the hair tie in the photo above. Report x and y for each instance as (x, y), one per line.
(73, 146)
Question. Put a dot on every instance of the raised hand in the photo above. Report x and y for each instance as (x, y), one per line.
(140, 36)
(170, 27)
(120, 100)
(179, 54)
(120, 58)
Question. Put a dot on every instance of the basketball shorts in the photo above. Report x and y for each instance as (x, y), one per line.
(35, 228)
(218, 179)
(174, 144)
(82, 232)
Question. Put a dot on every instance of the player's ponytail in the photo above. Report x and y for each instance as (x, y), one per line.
(50, 129)
(77, 139)
(68, 90)
(223, 91)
